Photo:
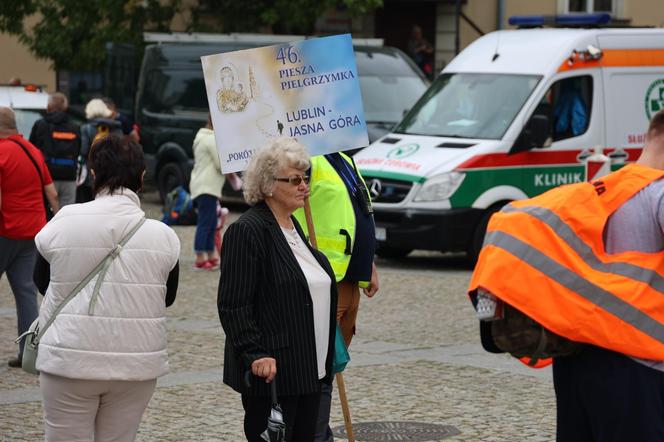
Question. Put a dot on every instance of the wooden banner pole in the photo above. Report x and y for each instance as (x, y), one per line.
(310, 223)
(341, 386)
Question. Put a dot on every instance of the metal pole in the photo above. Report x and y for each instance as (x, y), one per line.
(501, 15)
(457, 42)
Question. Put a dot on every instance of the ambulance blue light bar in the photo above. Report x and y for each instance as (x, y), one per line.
(562, 20)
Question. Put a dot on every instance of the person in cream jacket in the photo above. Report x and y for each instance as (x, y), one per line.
(205, 187)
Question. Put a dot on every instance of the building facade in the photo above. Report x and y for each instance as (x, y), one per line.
(447, 25)
(449, 32)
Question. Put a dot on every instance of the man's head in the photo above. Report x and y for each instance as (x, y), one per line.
(57, 102)
(7, 122)
(653, 151)
(656, 128)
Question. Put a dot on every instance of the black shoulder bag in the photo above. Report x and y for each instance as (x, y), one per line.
(47, 207)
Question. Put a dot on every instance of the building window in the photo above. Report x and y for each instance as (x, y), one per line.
(571, 6)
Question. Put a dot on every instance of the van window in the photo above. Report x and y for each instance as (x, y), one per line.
(25, 119)
(469, 106)
(171, 91)
(568, 103)
(386, 98)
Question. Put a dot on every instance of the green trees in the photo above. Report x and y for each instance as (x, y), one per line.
(282, 16)
(73, 33)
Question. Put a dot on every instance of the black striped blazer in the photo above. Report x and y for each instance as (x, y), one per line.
(265, 306)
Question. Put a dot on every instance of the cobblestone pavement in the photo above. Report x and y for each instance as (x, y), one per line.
(416, 358)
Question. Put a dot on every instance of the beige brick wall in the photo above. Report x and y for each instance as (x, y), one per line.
(483, 14)
(644, 12)
(529, 7)
(17, 61)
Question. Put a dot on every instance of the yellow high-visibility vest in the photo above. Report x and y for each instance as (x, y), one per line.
(333, 214)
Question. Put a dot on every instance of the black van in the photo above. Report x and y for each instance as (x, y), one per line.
(171, 101)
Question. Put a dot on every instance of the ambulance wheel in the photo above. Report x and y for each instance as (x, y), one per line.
(473, 251)
(392, 252)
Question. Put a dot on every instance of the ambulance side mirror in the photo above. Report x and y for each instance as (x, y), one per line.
(536, 134)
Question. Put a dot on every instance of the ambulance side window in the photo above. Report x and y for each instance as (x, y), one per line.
(572, 100)
(563, 112)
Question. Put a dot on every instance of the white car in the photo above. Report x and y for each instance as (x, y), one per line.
(28, 102)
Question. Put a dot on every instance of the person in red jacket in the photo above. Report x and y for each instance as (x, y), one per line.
(24, 180)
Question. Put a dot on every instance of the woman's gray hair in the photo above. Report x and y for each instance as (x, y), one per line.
(96, 108)
(265, 166)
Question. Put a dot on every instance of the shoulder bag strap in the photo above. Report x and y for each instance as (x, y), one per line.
(102, 266)
(47, 209)
(107, 263)
(34, 163)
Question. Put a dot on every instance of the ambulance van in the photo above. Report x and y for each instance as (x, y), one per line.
(513, 115)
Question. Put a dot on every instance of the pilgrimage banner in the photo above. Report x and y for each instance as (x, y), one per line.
(308, 90)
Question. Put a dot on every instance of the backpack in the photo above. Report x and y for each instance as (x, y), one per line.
(179, 208)
(513, 332)
(96, 130)
(61, 149)
(102, 132)
(92, 132)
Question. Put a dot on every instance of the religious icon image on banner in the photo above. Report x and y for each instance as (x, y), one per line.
(231, 96)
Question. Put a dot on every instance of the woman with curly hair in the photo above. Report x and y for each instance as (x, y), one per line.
(277, 298)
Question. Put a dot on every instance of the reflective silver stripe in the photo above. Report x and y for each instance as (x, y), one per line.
(581, 286)
(565, 232)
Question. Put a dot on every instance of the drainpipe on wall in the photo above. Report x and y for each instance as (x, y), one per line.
(501, 15)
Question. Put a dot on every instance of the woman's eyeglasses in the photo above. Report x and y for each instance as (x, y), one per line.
(295, 180)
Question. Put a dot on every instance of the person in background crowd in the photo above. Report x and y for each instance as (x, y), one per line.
(421, 51)
(205, 186)
(100, 124)
(570, 116)
(222, 215)
(128, 126)
(277, 298)
(59, 140)
(344, 226)
(97, 381)
(24, 180)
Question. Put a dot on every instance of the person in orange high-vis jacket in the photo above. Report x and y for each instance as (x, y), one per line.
(587, 262)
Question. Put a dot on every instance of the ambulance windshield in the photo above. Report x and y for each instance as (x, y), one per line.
(469, 106)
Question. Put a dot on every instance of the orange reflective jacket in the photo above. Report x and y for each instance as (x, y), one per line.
(545, 256)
